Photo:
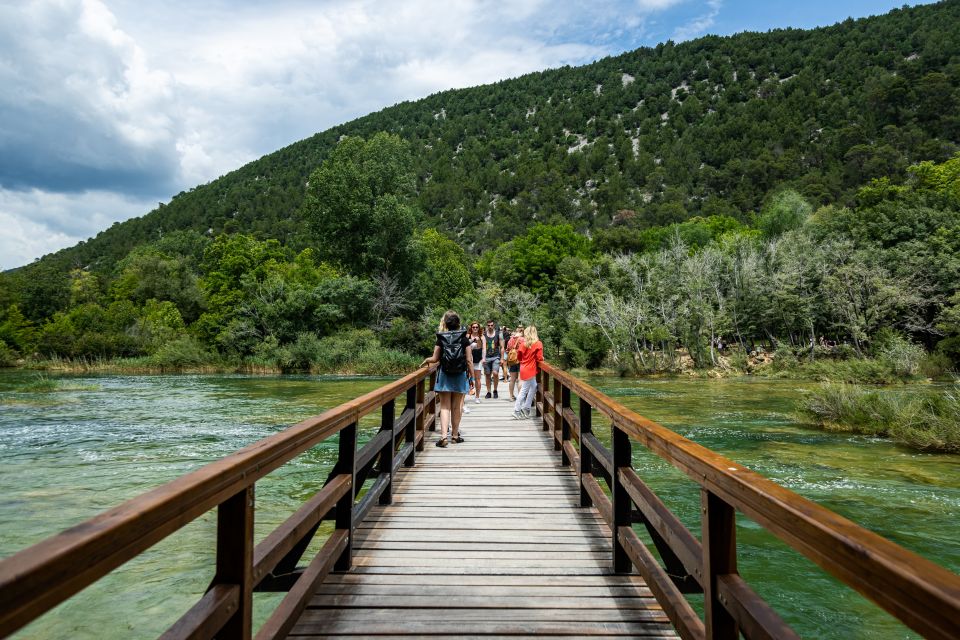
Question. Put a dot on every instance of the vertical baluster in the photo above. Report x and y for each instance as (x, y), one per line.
(622, 504)
(557, 412)
(564, 424)
(410, 431)
(719, 535)
(387, 418)
(586, 458)
(346, 463)
(235, 559)
(422, 411)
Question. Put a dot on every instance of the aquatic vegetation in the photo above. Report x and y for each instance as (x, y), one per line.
(928, 420)
(44, 384)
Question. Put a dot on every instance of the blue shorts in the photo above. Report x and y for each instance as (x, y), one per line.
(451, 382)
(489, 366)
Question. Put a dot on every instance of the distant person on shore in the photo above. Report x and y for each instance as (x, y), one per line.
(492, 355)
(475, 337)
(531, 355)
(513, 360)
(455, 359)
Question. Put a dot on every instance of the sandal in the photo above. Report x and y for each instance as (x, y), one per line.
(442, 442)
(457, 439)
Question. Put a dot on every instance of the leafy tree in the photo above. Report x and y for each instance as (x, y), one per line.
(535, 256)
(357, 203)
(444, 273)
(787, 210)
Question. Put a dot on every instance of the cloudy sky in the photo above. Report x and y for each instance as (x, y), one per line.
(110, 106)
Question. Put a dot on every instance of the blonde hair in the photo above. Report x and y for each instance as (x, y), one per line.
(450, 321)
(530, 336)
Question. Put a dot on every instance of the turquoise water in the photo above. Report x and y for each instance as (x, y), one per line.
(69, 454)
(909, 497)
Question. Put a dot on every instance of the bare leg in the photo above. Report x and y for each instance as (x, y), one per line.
(486, 375)
(444, 413)
(496, 376)
(457, 413)
(476, 382)
(513, 385)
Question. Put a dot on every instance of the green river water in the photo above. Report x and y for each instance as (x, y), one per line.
(69, 454)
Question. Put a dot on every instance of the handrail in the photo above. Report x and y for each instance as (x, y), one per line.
(920, 593)
(38, 578)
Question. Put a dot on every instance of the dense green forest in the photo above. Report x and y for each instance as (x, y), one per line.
(776, 202)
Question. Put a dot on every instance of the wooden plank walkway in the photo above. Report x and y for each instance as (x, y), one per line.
(484, 538)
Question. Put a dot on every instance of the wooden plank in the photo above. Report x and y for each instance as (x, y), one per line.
(208, 616)
(486, 537)
(283, 618)
(276, 545)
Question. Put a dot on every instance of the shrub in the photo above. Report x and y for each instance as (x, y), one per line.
(301, 354)
(902, 356)
(181, 353)
(8, 356)
(928, 421)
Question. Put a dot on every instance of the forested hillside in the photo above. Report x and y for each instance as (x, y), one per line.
(706, 127)
(782, 203)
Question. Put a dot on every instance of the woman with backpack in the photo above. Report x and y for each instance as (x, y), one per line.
(530, 352)
(453, 353)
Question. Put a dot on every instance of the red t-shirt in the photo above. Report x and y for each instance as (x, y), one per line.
(529, 357)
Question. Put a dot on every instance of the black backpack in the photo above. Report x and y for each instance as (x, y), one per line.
(453, 356)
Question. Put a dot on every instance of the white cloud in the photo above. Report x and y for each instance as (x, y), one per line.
(700, 24)
(34, 222)
(142, 100)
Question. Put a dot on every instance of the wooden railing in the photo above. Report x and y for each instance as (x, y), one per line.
(923, 595)
(40, 577)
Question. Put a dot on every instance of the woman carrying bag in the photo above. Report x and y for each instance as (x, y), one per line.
(453, 353)
(530, 352)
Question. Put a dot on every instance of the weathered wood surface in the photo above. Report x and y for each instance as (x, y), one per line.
(484, 538)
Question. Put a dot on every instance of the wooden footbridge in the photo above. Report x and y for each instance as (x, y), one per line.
(527, 528)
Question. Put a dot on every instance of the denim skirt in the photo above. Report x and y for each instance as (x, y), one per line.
(455, 382)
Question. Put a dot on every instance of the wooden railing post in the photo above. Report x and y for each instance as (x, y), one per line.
(586, 457)
(719, 540)
(235, 560)
(543, 383)
(622, 505)
(557, 412)
(564, 425)
(346, 463)
(410, 431)
(387, 417)
(421, 411)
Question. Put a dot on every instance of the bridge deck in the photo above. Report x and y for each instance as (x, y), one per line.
(484, 538)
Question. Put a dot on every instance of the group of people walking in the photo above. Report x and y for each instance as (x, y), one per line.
(464, 353)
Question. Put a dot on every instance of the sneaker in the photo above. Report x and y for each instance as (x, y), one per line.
(518, 416)
(477, 401)
(487, 396)
(528, 413)
(495, 394)
(466, 409)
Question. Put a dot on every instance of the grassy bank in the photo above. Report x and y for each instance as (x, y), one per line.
(927, 420)
(351, 353)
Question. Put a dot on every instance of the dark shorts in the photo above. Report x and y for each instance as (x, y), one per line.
(489, 366)
(514, 368)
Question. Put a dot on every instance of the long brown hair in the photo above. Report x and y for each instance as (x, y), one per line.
(470, 332)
